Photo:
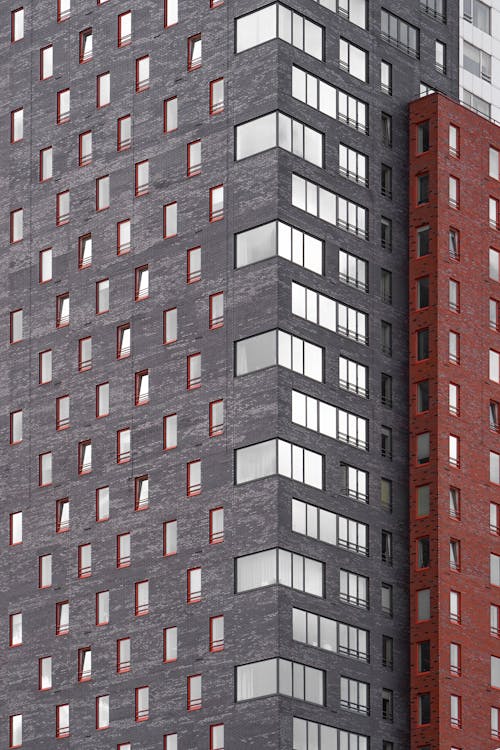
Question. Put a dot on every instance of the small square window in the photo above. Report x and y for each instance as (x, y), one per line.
(194, 52)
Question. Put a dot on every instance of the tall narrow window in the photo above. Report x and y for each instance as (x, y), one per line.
(453, 140)
(194, 692)
(141, 489)
(46, 62)
(62, 618)
(171, 13)
(169, 538)
(123, 446)
(62, 310)
(84, 561)
(46, 164)
(85, 45)
(62, 515)
(102, 712)
(141, 283)
(217, 96)
(494, 212)
(85, 251)
(386, 77)
(142, 387)
(216, 525)
(216, 642)
(85, 148)
(63, 10)
(123, 237)
(125, 28)
(123, 655)
(45, 469)
(170, 115)
(16, 427)
(193, 478)
(170, 326)
(193, 265)
(194, 52)
(102, 192)
(170, 432)
(216, 203)
(62, 208)
(16, 528)
(216, 418)
(63, 106)
(217, 730)
(102, 400)
(141, 598)
(16, 226)
(17, 25)
(142, 703)
(142, 73)
(194, 158)
(423, 133)
(103, 90)
(170, 644)
(16, 125)
(16, 326)
(453, 192)
(85, 354)
(193, 585)
(123, 341)
(102, 504)
(85, 457)
(84, 664)
(16, 629)
(216, 310)
(102, 296)
(102, 608)
(15, 730)
(142, 178)
(169, 220)
(124, 133)
(45, 673)
(194, 371)
(45, 367)
(123, 550)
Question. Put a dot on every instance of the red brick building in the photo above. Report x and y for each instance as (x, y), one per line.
(454, 246)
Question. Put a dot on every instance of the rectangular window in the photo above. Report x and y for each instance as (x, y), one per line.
(216, 418)
(194, 692)
(454, 450)
(456, 711)
(495, 722)
(280, 677)
(216, 730)
(455, 659)
(454, 348)
(423, 137)
(84, 664)
(354, 482)
(353, 59)
(85, 251)
(170, 644)
(85, 45)
(141, 598)
(85, 354)
(330, 635)
(330, 207)
(216, 525)
(194, 158)
(279, 566)
(142, 73)
(216, 96)
(125, 28)
(62, 618)
(400, 34)
(141, 492)
(194, 52)
(102, 504)
(328, 527)
(353, 270)
(17, 25)
(453, 192)
(169, 538)
(440, 57)
(123, 341)
(141, 178)
(102, 712)
(476, 61)
(16, 125)
(85, 457)
(455, 607)
(46, 164)
(124, 133)
(16, 528)
(277, 21)
(103, 90)
(169, 220)
(141, 283)
(353, 165)
(278, 129)
(326, 312)
(16, 629)
(170, 115)
(102, 296)
(216, 311)
(193, 585)
(123, 550)
(277, 238)
(386, 77)
(102, 608)
(423, 605)
(15, 730)
(123, 237)
(494, 366)
(142, 703)
(170, 742)
(45, 367)
(194, 371)
(216, 203)
(354, 695)
(45, 673)
(16, 427)
(193, 478)
(171, 18)
(329, 420)
(102, 400)
(123, 655)
(85, 148)
(45, 469)
(279, 457)
(63, 106)
(84, 561)
(62, 310)
(62, 720)
(216, 642)
(353, 589)
(62, 515)
(16, 226)
(62, 208)
(102, 193)
(279, 348)
(46, 63)
(16, 326)
(170, 326)
(495, 569)
(63, 10)
(494, 212)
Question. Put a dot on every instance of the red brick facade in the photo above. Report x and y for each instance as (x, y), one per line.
(470, 526)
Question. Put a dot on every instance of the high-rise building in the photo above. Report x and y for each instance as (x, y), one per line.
(239, 508)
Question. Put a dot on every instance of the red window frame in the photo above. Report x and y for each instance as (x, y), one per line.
(456, 619)
(215, 429)
(121, 560)
(193, 63)
(40, 367)
(84, 160)
(98, 181)
(123, 144)
(61, 423)
(215, 645)
(167, 660)
(82, 675)
(215, 537)
(13, 25)
(40, 470)
(122, 354)
(457, 724)
(138, 295)
(141, 609)
(165, 738)
(141, 714)
(143, 188)
(193, 596)
(98, 310)
(217, 214)
(11, 428)
(166, 127)
(62, 218)
(62, 15)
(124, 41)
(12, 340)
(83, 468)
(167, 234)
(123, 457)
(61, 526)
(215, 108)
(82, 263)
(61, 731)
(166, 552)
(44, 77)
(165, 17)
(97, 397)
(192, 489)
(166, 340)
(214, 727)
(40, 567)
(138, 399)
(83, 58)
(122, 666)
(100, 518)
(40, 660)
(166, 446)
(11, 730)
(215, 322)
(62, 117)
(61, 321)
(11, 528)
(99, 103)
(141, 85)
(457, 671)
(193, 704)
(61, 629)
(100, 727)
(41, 173)
(193, 169)
(84, 571)
(11, 630)
(216, 4)
(193, 382)
(84, 364)
(122, 248)
(12, 130)
(14, 241)
(192, 276)
(138, 504)
(98, 621)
